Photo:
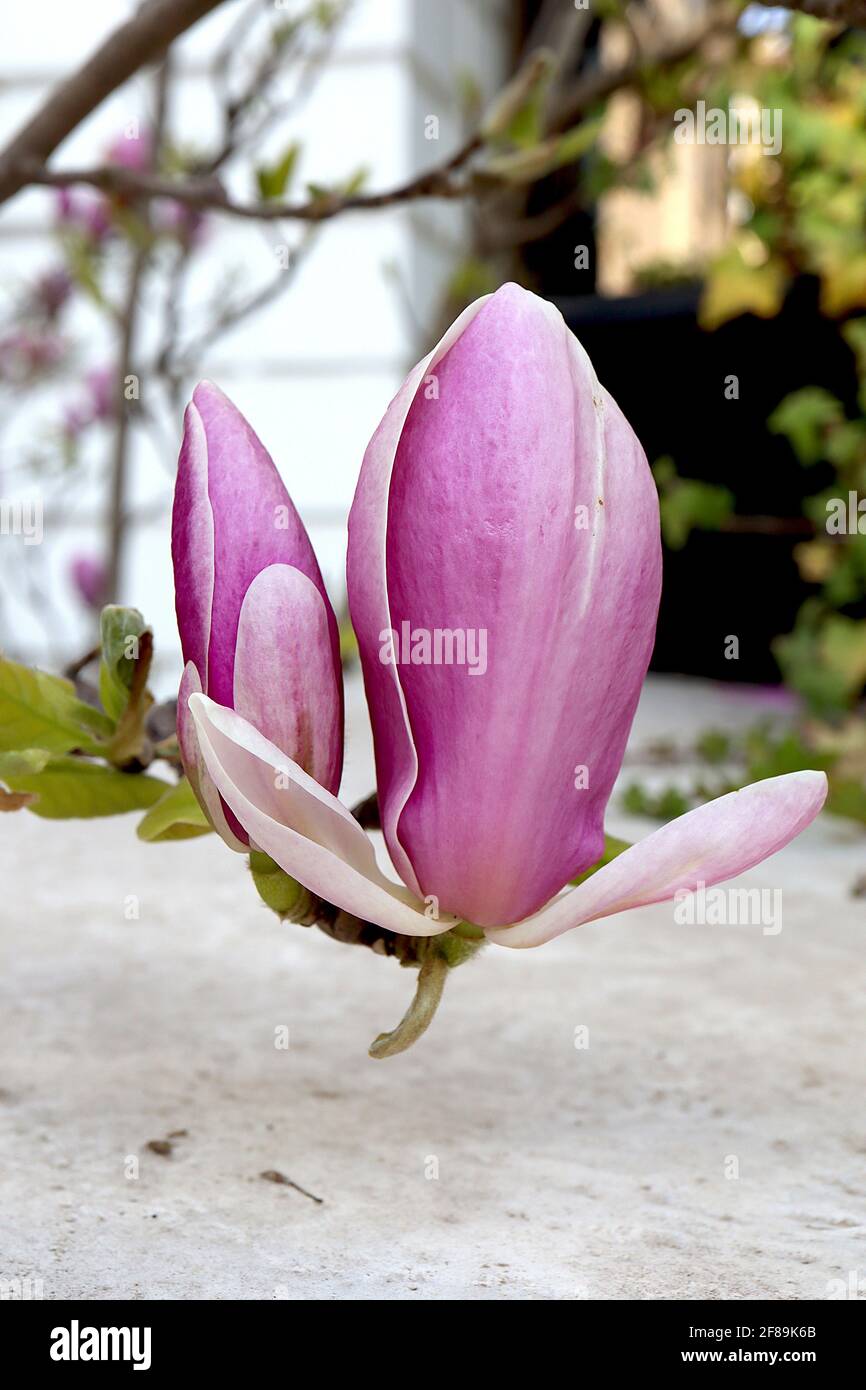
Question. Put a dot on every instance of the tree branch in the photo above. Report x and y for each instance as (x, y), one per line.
(142, 40)
(210, 193)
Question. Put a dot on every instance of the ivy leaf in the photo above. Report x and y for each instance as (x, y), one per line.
(121, 630)
(734, 287)
(176, 816)
(38, 710)
(688, 503)
(65, 787)
(804, 418)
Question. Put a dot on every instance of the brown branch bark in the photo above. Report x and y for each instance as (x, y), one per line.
(141, 40)
(210, 193)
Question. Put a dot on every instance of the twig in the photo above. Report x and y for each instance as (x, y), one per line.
(210, 193)
(141, 40)
(274, 1175)
(120, 453)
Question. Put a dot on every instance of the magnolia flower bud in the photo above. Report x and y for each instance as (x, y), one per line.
(256, 627)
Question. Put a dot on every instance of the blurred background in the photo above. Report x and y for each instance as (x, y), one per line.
(717, 281)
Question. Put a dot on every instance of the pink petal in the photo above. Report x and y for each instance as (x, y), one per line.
(396, 762)
(485, 475)
(255, 525)
(715, 842)
(192, 544)
(222, 820)
(284, 680)
(305, 829)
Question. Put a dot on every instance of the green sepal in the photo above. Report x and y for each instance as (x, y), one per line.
(459, 944)
(282, 894)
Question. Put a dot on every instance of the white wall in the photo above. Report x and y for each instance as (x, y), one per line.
(316, 370)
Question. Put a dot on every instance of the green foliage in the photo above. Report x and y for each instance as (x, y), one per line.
(49, 738)
(686, 504)
(121, 630)
(713, 746)
(664, 805)
(805, 418)
(531, 162)
(64, 786)
(38, 710)
(175, 816)
(274, 179)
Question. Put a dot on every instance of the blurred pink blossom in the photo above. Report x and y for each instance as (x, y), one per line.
(86, 213)
(25, 352)
(133, 152)
(87, 573)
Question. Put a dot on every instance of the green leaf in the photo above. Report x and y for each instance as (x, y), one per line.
(804, 418)
(686, 504)
(176, 816)
(273, 179)
(354, 182)
(42, 711)
(734, 287)
(120, 630)
(527, 165)
(666, 805)
(67, 787)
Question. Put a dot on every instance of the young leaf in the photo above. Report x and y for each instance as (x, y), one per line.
(273, 179)
(176, 816)
(121, 630)
(67, 787)
(42, 711)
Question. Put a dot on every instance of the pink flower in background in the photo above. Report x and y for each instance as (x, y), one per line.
(133, 151)
(102, 386)
(30, 351)
(88, 578)
(503, 495)
(175, 219)
(97, 403)
(87, 213)
(51, 292)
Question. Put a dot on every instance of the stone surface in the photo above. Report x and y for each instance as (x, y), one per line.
(562, 1172)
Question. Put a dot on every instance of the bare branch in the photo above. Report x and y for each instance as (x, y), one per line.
(142, 40)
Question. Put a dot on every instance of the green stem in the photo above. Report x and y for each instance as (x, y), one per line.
(419, 1015)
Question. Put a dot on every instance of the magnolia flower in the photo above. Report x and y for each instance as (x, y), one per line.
(503, 494)
(257, 630)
